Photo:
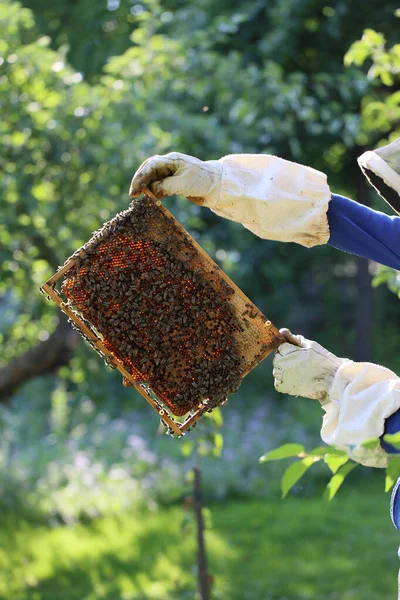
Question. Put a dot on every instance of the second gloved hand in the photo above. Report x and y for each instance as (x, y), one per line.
(305, 369)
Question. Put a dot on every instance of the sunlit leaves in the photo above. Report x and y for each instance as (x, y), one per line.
(46, 210)
(370, 44)
(379, 113)
(293, 473)
(392, 473)
(206, 439)
(59, 412)
(337, 480)
(371, 444)
(285, 451)
(393, 439)
(216, 417)
(43, 191)
(218, 443)
(336, 460)
(186, 447)
(15, 21)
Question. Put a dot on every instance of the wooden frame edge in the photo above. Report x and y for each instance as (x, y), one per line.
(164, 413)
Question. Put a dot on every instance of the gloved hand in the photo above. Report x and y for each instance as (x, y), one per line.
(182, 174)
(274, 198)
(304, 368)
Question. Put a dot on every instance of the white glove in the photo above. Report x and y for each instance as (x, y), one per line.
(305, 369)
(181, 174)
(274, 198)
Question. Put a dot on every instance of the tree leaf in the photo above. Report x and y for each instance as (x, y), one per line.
(386, 78)
(186, 448)
(373, 37)
(295, 472)
(393, 439)
(284, 451)
(392, 472)
(335, 462)
(337, 480)
(371, 444)
(215, 416)
(218, 442)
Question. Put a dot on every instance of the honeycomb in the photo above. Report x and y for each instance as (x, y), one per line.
(163, 310)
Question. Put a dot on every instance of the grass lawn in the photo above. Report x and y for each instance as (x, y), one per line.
(274, 550)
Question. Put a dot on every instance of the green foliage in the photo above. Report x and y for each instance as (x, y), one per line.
(54, 162)
(205, 440)
(380, 109)
(393, 439)
(371, 444)
(337, 480)
(295, 472)
(284, 451)
(385, 62)
(336, 460)
(67, 461)
(389, 277)
(392, 473)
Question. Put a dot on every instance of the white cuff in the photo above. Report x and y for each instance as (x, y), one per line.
(274, 198)
(361, 398)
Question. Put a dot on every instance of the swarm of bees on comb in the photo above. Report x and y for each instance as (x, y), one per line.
(155, 306)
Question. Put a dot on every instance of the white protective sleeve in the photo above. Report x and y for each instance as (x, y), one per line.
(274, 198)
(361, 397)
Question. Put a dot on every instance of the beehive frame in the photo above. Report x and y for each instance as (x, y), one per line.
(270, 334)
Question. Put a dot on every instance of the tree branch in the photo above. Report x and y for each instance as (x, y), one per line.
(44, 358)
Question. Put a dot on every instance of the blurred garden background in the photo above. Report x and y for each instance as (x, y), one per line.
(95, 501)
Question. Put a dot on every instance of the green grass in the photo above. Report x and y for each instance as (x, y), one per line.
(274, 550)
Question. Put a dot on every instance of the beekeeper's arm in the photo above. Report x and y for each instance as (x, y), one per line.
(284, 201)
(360, 400)
(277, 200)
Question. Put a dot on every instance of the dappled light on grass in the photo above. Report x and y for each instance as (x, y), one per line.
(301, 549)
(137, 556)
(297, 549)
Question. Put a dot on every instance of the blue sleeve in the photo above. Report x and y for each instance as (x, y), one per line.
(357, 229)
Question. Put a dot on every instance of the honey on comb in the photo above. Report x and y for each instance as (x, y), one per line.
(140, 284)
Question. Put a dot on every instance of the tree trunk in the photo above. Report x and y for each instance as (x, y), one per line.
(39, 360)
